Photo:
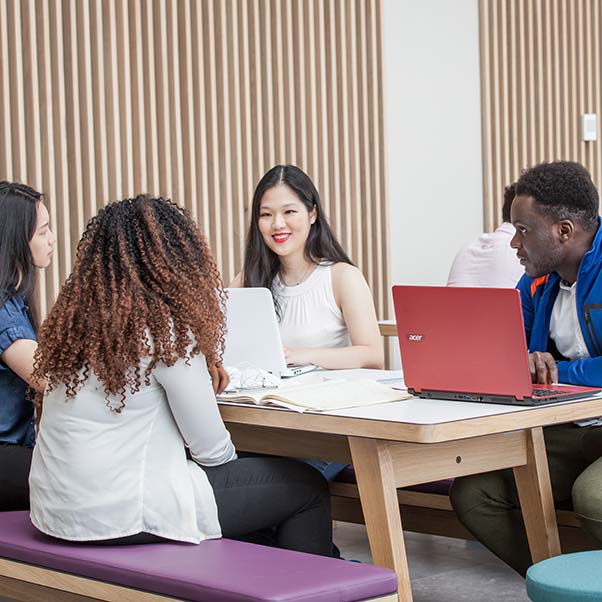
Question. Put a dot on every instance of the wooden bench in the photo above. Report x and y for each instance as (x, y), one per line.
(37, 568)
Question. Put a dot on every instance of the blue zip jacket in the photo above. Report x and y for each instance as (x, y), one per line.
(538, 297)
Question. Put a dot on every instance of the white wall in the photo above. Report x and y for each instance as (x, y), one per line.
(432, 134)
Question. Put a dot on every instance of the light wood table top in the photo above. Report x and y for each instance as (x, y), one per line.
(417, 420)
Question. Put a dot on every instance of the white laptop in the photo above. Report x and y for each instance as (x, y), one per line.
(253, 337)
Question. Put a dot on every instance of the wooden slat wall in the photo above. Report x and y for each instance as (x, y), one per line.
(195, 100)
(540, 66)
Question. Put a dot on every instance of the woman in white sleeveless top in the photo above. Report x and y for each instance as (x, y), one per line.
(324, 306)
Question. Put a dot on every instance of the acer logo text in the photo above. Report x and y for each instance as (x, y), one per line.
(415, 337)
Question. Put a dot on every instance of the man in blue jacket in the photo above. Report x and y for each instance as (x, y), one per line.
(559, 242)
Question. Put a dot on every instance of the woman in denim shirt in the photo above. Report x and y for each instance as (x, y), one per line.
(26, 243)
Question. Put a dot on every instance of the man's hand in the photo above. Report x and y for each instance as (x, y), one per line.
(219, 378)
(543, 368)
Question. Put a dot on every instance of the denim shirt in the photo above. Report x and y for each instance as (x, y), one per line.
(16, 413)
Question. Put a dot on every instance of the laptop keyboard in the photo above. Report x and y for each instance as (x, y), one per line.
(544, 392)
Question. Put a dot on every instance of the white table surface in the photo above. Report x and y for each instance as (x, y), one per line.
(410, 411)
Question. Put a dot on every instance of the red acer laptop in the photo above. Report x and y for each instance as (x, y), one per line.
(468, 344)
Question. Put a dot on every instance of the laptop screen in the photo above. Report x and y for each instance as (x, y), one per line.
(252, 337)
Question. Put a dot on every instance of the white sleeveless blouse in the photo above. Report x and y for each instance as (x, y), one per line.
(309, 314)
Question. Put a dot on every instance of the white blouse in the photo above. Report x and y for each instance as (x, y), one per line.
(97, 474)
(309, 314)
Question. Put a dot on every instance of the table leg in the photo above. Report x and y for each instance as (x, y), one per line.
(376, 483)
(535, 494)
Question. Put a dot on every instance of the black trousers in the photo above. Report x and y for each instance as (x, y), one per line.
(256, 493)
(265, 500)
(15, 462)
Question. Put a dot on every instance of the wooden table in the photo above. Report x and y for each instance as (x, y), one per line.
(417, 441)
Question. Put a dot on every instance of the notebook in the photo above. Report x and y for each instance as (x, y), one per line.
(320, 397)
(253, 337)
(468, 344)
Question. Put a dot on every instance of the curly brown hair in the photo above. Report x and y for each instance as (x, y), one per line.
(142, 268)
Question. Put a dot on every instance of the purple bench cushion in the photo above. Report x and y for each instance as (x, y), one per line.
(440, 487)
(218, 570)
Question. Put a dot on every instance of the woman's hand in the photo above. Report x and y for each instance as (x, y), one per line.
(219, 378)
(298, 356)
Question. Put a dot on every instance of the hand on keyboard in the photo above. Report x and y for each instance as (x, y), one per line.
(543, 368)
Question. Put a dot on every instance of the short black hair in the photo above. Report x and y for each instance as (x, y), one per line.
(564, 189)
(509, 194)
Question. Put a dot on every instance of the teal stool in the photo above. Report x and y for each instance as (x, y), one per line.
(567, 578)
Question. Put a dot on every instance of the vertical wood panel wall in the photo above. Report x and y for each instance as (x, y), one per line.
(195, 100)
(540, 66)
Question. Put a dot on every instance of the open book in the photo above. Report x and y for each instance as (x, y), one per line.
(320, 397)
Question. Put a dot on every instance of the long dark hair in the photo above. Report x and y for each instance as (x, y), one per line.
(261, 263)
(18, 219)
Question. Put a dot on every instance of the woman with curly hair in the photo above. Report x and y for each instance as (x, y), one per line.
(26, 244)
(125, 353)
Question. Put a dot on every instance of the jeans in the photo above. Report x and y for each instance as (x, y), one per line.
(15, 462)
(488, 505)
(329, 470)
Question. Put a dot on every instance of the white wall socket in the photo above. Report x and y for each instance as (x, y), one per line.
(589, 127)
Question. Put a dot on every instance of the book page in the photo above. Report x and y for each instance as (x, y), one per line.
(246, 396)
(333, 395)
